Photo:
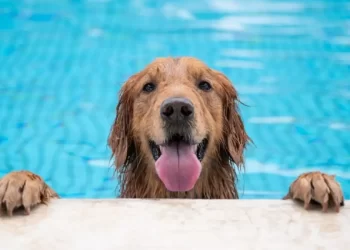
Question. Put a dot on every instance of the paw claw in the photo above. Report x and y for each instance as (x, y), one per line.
(337, 209)
(287, 197)
(27, 210)
(325, 207)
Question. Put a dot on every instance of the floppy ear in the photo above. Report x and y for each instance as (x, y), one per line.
(120, 138)
(235, 136)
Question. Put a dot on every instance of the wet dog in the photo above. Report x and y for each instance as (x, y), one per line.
(177, 134)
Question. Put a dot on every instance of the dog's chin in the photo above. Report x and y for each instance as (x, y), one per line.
(178, 161)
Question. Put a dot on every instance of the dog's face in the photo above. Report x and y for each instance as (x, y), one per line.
(178, 115)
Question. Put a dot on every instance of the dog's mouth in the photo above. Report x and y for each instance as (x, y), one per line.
(178, 161)
(198, 148)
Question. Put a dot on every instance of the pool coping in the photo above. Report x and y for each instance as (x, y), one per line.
(175, 224)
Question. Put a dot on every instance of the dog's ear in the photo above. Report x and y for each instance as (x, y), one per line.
(121, 138)
(235, 136)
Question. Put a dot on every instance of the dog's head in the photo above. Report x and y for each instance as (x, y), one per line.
(179, 116)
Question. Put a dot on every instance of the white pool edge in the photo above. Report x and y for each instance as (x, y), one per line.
(175, 224)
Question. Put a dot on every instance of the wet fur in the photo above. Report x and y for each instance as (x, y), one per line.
(132, 157)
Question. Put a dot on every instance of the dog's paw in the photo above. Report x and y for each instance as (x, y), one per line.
(23, 189)
(319, 187)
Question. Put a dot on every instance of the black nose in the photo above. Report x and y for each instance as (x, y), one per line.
(177, 109)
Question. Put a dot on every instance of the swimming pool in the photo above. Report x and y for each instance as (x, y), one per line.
(63, 62)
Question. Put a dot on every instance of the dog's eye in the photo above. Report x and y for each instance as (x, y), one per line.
(203, 85)
(149, 87)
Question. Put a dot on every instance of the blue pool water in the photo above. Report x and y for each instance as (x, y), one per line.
(63, 62)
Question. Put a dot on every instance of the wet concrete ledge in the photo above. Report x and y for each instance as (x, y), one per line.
(175, 224)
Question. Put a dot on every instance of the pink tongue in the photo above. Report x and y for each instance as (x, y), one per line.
(178, 167)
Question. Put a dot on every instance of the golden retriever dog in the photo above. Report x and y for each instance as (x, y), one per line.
(177, 134)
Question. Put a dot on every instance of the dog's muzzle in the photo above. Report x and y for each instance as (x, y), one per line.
(178, 158)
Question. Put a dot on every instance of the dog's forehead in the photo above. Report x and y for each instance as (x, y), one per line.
(175, 68)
